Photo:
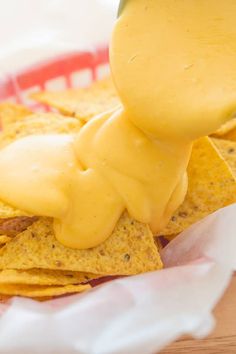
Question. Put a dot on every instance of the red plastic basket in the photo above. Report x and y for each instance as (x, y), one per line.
(72, 70)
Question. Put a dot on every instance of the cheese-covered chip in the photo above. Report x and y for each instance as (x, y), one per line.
(41, 291)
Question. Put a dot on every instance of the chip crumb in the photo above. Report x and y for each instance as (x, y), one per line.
(43, 277)
(33, 291)
(58, 264)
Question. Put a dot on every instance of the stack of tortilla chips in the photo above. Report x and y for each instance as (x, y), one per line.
(34, 264)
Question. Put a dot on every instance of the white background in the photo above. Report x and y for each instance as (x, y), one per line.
(32, 29)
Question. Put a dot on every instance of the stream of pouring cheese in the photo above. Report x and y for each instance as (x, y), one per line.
(174, 66)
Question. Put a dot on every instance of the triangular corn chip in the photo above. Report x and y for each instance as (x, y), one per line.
(41, 291)
(211, 186)
(82, 103)
(129, 250)
(42, 277)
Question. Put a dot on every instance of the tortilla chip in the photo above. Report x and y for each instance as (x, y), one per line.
(129, 250)
(82, 103)
(39, 123)
(227, 149)
(44, 277)
(4, 239)
(211, 186)
(41, 291)
(11, 113)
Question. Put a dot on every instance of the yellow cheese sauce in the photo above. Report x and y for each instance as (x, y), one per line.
(174, 65)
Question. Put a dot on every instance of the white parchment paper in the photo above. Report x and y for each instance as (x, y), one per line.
(140, 314)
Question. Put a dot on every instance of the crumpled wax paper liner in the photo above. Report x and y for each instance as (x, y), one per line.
(140, 314)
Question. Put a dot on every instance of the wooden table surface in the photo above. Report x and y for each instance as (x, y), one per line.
(223, 340)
